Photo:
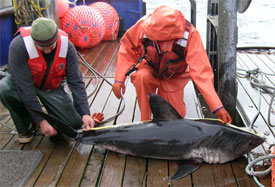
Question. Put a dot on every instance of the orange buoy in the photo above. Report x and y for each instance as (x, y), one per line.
(110, 17)
(63, 7)
(84, 25)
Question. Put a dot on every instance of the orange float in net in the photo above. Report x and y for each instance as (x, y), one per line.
(110, 17)
(63, 7)
(84, 25)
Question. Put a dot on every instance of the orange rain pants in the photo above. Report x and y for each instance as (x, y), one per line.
(145, 83)
(163, 25)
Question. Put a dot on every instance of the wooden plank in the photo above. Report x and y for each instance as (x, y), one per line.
(91, 55)
(157, 172)
(6, 133)
(105, 102)
(223, 175)
(112, 67)
(101, 103)
(248, 100)
(13, 143)
(241, 177)
(203, 176)
(55, 165)
(265, 63)
(193, 108)
(77, 163)
(251, 93)
(111, 160)
(265, 180)
(130, 98)
(135, 172)
(33, 145)
(46, 147)
(109, 54)
(4, 139)
(135, 169)
(113, 170)
(101, 67)
(247, 106)
(137, 115)
(92, 173)
(99, 100)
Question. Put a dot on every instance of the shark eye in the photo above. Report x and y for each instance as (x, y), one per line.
(250, 143)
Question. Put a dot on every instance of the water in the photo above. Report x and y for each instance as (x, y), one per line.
(256, 26)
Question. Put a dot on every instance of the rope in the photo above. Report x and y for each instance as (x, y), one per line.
(250, 165)
(27, 11)
(270, 109)
(7, 126)
(260, 86)
(90, 68)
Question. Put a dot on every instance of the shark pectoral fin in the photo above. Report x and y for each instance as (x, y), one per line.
(187, 167)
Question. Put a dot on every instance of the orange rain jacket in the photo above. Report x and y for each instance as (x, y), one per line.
(165, 25)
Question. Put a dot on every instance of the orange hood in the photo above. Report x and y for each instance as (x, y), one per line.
(165, 23)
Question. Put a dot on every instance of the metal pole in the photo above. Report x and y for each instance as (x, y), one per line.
(227, 41)
(193, 11)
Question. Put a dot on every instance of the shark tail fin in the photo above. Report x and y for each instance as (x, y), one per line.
(60, 126)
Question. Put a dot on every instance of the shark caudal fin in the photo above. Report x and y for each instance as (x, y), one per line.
(60, 126)
(162, 110)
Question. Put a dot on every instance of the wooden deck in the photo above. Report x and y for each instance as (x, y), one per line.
(249, 101)
(74, 164)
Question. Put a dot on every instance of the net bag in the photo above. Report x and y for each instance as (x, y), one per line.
(110, 17)
(84, 26)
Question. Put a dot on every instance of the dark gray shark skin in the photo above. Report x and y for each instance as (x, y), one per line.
(176, 140)
(169, 137)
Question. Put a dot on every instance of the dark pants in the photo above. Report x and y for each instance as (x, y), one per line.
(57, 102)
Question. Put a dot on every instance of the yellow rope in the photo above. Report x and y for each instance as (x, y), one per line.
(27, 10)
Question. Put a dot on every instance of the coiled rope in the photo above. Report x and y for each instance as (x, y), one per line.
(250, 165)
(261, 87)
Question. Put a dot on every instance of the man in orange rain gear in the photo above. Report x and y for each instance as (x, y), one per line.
(174, 54)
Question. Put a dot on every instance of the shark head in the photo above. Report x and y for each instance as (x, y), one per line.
(236, 142)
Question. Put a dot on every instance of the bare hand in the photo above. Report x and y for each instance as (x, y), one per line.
(117, 88)
(46, 128)
(223, 115)
(88, 122)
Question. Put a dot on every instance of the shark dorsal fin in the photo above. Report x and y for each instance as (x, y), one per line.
(162, 110)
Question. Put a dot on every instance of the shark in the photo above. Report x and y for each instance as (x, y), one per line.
(168, 136)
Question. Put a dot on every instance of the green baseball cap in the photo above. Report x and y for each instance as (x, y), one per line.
(44, 31)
